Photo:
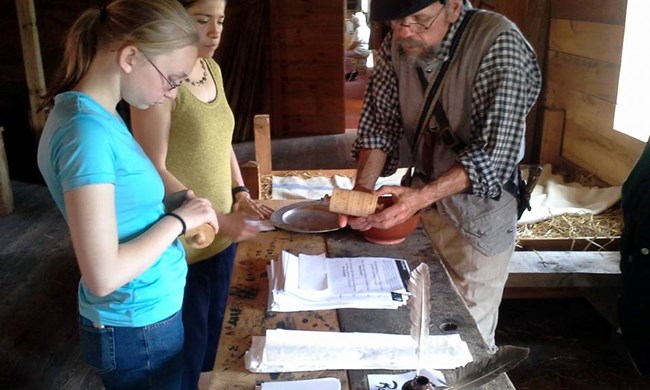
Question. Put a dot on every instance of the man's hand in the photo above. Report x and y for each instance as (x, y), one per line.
(406, 202)
(356, 223)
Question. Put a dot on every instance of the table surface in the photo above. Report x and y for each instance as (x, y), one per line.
(246, 314)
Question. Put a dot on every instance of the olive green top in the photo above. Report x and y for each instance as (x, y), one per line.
(199, 150)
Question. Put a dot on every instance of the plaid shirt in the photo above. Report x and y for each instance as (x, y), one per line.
(505, 88)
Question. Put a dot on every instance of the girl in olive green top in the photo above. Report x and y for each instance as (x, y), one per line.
(189, 141)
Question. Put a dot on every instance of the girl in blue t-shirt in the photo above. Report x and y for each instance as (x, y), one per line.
(132, 265)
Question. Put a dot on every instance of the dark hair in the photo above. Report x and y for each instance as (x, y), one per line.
(153, 26)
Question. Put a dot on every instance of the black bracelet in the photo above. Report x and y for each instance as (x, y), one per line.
(236, 190)
(180, 219)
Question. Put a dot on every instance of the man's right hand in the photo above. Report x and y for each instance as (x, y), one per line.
(356, 223)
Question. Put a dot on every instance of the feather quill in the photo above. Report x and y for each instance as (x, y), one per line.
(480, 372)
(419, 304)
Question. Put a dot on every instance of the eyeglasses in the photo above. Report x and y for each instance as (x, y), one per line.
(172, 86)
(415, 26)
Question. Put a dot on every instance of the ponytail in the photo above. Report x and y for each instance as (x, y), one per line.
(79, 51)
(153, 26)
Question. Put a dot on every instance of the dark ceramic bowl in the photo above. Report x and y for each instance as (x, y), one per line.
(395, 234)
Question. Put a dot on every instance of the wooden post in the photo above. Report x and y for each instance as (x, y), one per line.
(552, 134)
(6, 196)
(262, 130)
(250, 172)
(33, 62)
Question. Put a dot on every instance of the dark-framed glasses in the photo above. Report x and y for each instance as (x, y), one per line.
(172, 86)
(414, 26)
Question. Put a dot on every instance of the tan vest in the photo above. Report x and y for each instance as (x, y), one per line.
(488, 224)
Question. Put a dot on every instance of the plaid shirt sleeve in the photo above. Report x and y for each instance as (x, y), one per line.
(506, 87)
(380, 124)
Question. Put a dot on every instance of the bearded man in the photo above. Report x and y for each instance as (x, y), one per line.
(465, 151)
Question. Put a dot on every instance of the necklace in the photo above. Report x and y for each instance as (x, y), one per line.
(203, 78)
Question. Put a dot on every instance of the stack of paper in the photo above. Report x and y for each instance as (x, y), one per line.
(296, 350)
(314, 282)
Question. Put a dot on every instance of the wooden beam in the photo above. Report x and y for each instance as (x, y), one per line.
(559, 269)
(6, 196)
(33, 62)
(262, 133)
(552, 133)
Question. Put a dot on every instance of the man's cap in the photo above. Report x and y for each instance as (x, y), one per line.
(385, 10)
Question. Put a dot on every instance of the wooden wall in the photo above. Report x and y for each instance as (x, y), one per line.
(583, 61)
(306, 50)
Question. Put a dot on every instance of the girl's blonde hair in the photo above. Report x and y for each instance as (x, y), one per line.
(153, 26)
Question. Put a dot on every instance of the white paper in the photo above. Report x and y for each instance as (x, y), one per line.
(293, 350)
(364, 274)
(395, 381)
(311, 384)
(315, 282)
(264, 225)
(313, 273)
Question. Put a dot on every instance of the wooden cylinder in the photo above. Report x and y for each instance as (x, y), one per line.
(200, 237)
(355, 203)
(6, 196)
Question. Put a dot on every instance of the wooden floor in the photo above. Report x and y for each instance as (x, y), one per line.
(572, 346)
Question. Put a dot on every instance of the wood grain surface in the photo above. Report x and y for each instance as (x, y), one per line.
(246, 314)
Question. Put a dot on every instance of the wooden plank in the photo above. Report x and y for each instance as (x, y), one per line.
(585, 110)
(586, 75)
(534, 25)
(262, 132)
(599, 11)
(597, 154)
(33, 62)
(250, 172)
(6, 194)
(552, 128)
(599, 41)
(541, 292)
(591, 112)
(590, 119)
(315, 124)
(568, 244)
(296, 55)
(246, 313)
(542, 262)
(446, 304)
(316, 106)
(277, 68)
(563, 269)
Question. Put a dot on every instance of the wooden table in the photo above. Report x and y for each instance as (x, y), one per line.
(246, 314)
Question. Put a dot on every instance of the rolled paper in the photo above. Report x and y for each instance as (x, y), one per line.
(200, 237)
(355, 203)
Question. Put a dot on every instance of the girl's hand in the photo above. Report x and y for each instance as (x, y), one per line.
(197, 211)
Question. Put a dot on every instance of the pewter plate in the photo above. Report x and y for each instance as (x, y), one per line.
(306, 217)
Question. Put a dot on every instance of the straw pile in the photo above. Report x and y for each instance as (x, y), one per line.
(607, 224)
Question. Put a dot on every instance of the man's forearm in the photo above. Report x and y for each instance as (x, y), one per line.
(371, 164)
(454, 181)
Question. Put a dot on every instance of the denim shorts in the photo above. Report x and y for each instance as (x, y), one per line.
(148, 357)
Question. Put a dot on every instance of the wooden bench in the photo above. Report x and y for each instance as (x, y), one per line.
(257, 174)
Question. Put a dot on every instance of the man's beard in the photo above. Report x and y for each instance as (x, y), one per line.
(427, 55)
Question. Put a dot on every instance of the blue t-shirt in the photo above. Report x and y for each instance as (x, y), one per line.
(84, 144)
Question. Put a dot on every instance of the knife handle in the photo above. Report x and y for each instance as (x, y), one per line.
(200, 237)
